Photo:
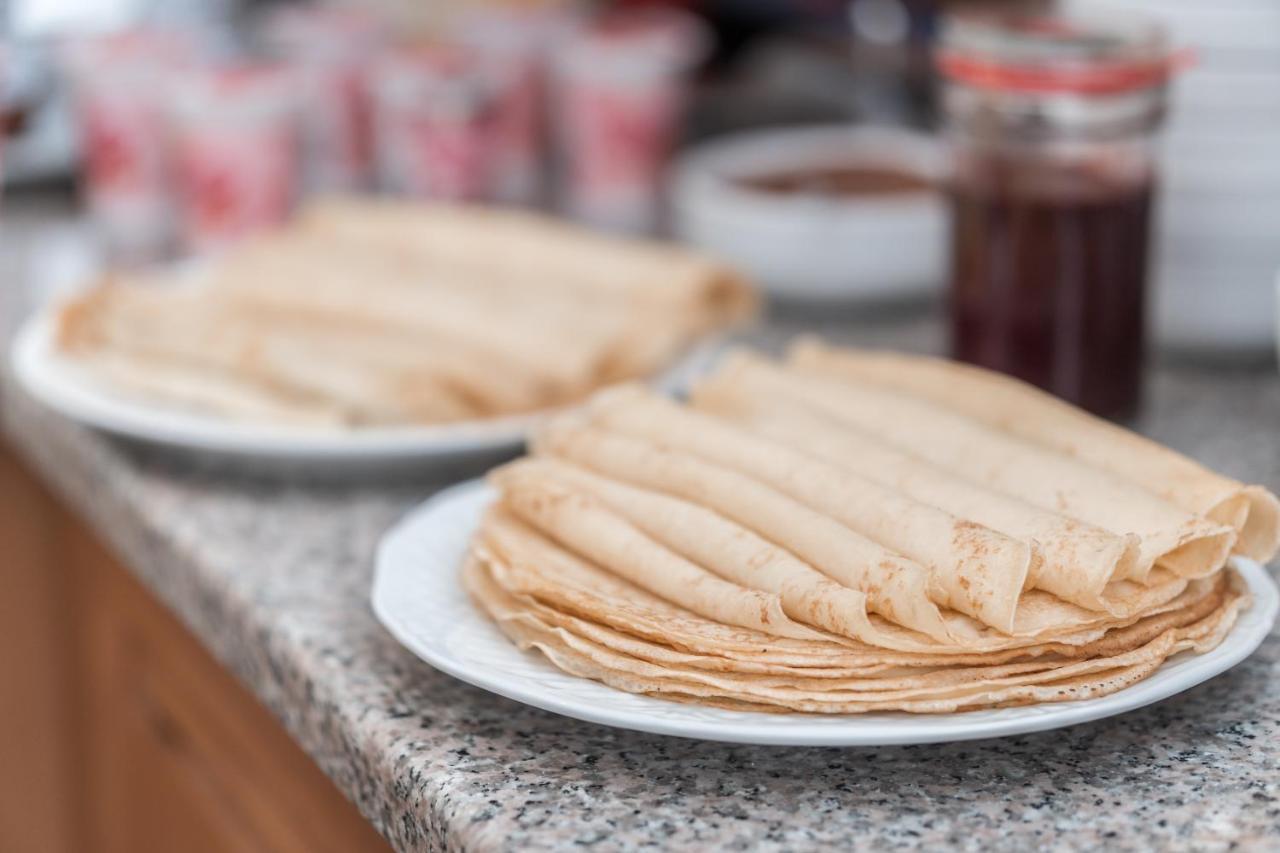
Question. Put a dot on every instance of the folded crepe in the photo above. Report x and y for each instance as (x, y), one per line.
(384, 314)
(794, 540)
(872, 677)
(755, 525)
(620, 590)
(1015, 407)
(972, 569)
(588, 527)
(1187, 544)
(199, 389)
(361, 377)
(500, 246)
(729, 550)
(930, 690)
(651, 641)
(1081, 562)
(525, 334)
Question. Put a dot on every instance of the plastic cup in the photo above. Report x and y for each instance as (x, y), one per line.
(433, 120)
(620, 85)
(234, 132)
(329, 51)
(119, 105)
(513, 44)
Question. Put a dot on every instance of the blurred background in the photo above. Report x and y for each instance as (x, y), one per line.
(1082, 193)
(811, 142)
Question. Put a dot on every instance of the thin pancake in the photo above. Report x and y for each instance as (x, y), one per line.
(1023, 410)
(1186, 543)
(1080, 559)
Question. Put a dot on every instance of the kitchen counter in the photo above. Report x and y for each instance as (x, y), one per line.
(273, 578)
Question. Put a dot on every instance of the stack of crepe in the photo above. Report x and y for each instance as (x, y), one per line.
(849, 532)
(379, 312)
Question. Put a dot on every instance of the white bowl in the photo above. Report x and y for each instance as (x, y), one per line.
(806, 247)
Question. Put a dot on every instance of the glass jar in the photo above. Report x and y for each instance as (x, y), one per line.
(1050, 123)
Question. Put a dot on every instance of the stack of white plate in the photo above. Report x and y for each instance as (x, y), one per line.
(1219, 215)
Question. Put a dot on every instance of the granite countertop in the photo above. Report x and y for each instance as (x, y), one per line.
(274, 577)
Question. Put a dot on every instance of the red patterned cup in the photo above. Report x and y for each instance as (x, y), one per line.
(620, 87)
(513, 45)
(330, 50)
(119, 97)
(433, 123)
(236, 149)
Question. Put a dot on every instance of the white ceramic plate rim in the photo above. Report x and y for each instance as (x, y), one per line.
(61, 385)
(418, 598)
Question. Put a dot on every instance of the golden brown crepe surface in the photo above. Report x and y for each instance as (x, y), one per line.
(780, 543)
(395, 313)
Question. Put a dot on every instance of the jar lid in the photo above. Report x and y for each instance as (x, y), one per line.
(1077, 55)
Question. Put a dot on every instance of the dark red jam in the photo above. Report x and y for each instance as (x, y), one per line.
(838, 181)
(1048, 279)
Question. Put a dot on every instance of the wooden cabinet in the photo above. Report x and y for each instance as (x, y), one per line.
(39, 786)
(118, 731)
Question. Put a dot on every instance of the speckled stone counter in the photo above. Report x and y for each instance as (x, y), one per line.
(274, 578)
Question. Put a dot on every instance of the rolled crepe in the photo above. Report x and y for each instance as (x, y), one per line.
(1085, 559)
(384, 272)
(527, 563)
(399, 358)
(570, 363)
(385, 277)
(408, 365)
(622, 340)
(978, 571)
(1080, 559)
(390, 314)
(209, 391)
(1016, 407)
(163, 328)
(587, 526)
(731, 551)
(1188, 544)
(504, 245)
(896, 587)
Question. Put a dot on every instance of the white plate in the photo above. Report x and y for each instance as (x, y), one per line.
(60, 384)
(418, 598)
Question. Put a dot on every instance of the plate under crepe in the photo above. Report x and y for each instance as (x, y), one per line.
(61, 385)
(418, 597)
